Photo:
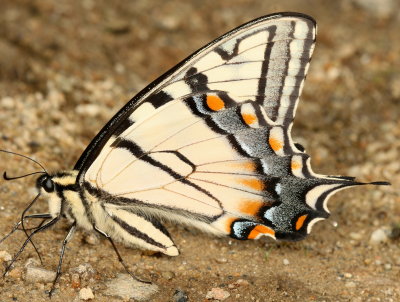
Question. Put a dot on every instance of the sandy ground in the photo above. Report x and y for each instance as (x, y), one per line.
(67, 66)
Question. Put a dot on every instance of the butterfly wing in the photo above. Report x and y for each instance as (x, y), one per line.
(209, 142)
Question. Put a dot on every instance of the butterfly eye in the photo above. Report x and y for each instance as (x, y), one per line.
(48, 185)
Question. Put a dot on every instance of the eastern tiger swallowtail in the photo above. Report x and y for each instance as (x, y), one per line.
(207, 144)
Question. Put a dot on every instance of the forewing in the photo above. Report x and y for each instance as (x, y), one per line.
(265, 60)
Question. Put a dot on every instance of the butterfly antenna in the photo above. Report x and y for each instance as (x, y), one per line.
(6, 177)
(24, 156)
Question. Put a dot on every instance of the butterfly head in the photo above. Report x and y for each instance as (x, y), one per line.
(55, 187)
(45, 183)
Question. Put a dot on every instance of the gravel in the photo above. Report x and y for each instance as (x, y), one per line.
(86, 294)
(124, 287)
(379, 236)
(37, 274)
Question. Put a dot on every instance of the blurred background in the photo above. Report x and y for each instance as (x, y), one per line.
(67, 66)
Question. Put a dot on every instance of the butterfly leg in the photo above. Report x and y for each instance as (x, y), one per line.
(36, 230)
(65, 242)
(16, 227)
(119, 256)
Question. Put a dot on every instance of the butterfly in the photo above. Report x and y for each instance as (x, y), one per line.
(207, 144)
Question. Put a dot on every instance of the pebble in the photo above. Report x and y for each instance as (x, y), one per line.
(350, 284)
(124, 287)
(75, 281)
(118, 27)
(356, 236)
(238, 283)
(32, 262)
(90, 110)
(286, 262)
(168, 275)
(92, 239)
(7, 102)
(37, 274)
(385, 9)
(221, 260)
(348, 275)
(169, 23)
(378, 236)
(86, 294)
(5, 256)
(83, 268)
(15, 273)
(395, 232)
(217, 293)
(180, 296)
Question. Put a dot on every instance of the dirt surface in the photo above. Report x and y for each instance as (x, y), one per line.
(67, 66)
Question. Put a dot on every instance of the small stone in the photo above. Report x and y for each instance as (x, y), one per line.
(385, 9)
(217, 293)
(169, 23)
(168, 275)
(83, 268)
(118, 27)
(15, 273)
(32, 261)
(221, 260)
(124, 287)
(238, 283)
(350, 284)
(90, 110)
(86, 294)
(75, 281)
(356, 236)
(348, 275)
(378, 262)
(180, 296)
(5, 256)
(378, 236)
(395, 232)
(387, 266)
(37, 274)
(56, 97)
(7, 102)
(286, 262)
(91, 239)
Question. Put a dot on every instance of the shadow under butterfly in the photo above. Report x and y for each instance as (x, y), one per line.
(207, 144)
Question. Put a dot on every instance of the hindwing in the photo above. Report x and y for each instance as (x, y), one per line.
(209, 142)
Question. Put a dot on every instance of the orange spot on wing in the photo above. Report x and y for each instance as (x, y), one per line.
(250, 166)
(275, 144)
(295, 165)
(249, 118)
(260, 229)
(300, 222)
(254, 183)
(215, 103)
(247, 165)
(250, 207)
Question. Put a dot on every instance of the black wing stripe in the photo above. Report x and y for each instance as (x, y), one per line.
(264, 69)
(282, 85)
(136, 233)
(135, 150)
